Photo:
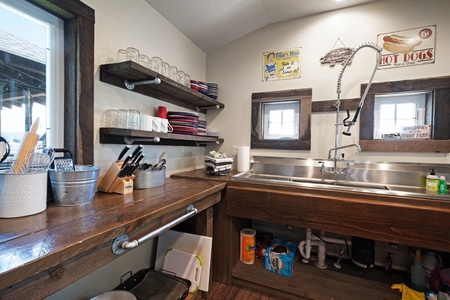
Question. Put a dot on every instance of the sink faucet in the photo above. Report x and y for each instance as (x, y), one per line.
(346, 122)
(358, 147)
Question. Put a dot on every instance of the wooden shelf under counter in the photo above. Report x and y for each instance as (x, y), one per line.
(310, 282)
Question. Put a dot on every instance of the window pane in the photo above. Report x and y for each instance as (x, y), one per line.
(406, 110)
(28, 51)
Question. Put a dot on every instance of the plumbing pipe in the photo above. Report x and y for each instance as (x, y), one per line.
(305, 246)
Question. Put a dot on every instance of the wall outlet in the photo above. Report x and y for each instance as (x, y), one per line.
(234, 150)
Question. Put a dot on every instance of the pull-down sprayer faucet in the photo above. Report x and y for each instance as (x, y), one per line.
(346, 122)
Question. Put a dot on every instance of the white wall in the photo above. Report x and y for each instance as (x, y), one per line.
(121, 24)
(237, 69)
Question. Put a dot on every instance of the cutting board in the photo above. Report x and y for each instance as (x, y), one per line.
(185, 265)
(190, 243)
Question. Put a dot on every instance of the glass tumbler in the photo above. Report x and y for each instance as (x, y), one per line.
(133, 54)
(122, 118)
(122, 55)
(133, 117)
(165, 69)
(112, 118)
(181, 77)
(187, 80)
(173, 73)
(144, 60)
(157, 64)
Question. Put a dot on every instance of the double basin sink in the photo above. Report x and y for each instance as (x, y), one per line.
(403, 179)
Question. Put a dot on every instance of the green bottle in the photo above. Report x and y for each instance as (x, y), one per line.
(442, 186)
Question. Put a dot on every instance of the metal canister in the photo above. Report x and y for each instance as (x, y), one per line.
(248, 241)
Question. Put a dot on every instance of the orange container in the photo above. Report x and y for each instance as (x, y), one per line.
(248, 241)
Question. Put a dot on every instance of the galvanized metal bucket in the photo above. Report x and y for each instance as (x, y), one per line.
(77, 187)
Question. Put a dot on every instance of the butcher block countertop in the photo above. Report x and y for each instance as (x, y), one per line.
(43, 253)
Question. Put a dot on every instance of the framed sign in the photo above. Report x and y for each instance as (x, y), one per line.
(407, 47)
(282, 64)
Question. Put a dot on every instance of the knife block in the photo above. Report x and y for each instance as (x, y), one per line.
(112, 183)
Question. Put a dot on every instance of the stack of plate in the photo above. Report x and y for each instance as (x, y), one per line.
(203, 87)
(201, 128)
(183, 122)
(213, 90)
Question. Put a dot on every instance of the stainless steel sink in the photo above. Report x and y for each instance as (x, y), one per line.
(383, 178)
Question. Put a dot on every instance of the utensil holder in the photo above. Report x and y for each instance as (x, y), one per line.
(112, 183)
(146, 179)
(22, 194)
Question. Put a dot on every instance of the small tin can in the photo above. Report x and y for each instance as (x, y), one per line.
(248, 241)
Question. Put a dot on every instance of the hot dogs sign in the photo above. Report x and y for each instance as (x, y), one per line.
(408, 47)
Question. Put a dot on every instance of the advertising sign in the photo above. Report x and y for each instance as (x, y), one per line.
(407, 47)
(283, 64)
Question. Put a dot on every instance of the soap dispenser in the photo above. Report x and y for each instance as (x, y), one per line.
(432, 182)
(418, 273)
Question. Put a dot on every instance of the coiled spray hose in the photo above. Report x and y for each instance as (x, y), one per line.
(347, 123)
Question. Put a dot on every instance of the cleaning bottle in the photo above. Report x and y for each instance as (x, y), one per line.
(432, 182)
(442, 186)
(418, 273)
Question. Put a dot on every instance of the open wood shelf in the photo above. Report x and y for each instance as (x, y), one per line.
(310, 282)
(127, 136)
(168, 90)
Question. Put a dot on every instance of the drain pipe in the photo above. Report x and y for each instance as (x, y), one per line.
(305, 246)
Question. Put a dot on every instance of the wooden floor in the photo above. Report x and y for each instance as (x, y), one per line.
(220, 291)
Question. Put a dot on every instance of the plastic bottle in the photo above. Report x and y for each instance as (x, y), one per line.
(388, 265)
(418, 273)
(442, 186)
(432, 182)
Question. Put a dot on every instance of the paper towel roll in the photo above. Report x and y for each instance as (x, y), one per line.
(243, 158)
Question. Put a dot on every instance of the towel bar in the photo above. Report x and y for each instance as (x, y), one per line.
(121, 243)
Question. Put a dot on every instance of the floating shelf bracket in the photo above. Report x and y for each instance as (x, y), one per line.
(205, 142)
(217, 106)
(128, 140)
(131, 84)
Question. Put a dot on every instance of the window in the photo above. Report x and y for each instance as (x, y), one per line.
(31, 72)
(393, 111)
(281, 120)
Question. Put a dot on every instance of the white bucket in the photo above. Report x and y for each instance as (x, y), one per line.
(22, 194)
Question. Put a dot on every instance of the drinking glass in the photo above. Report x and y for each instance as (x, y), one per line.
(133, 119)
(181, 77)
(133, 54)
(122, 118)
(157, 64)
(165, 69)
(173, 73)
(112, 118)
(143, 60)
(187, 80)
(122, 55)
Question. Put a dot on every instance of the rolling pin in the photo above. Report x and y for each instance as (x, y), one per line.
(26, 149)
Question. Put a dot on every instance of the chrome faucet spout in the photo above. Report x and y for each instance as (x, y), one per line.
(358, 147)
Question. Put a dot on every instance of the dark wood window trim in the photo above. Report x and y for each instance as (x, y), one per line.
(304, 142)
(79, 20)
(441, 127)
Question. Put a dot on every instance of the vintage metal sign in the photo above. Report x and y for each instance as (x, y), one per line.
(408, 47)
(283, 64)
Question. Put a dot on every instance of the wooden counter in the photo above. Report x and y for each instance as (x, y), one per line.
(43, 253)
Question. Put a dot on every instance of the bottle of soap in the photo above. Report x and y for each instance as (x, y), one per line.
(432, 182)
(442, 186)
(418, 273)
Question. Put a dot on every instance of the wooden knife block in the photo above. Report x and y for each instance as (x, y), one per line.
(112, 183)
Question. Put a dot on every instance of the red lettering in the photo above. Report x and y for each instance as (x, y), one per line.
(388, 59)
